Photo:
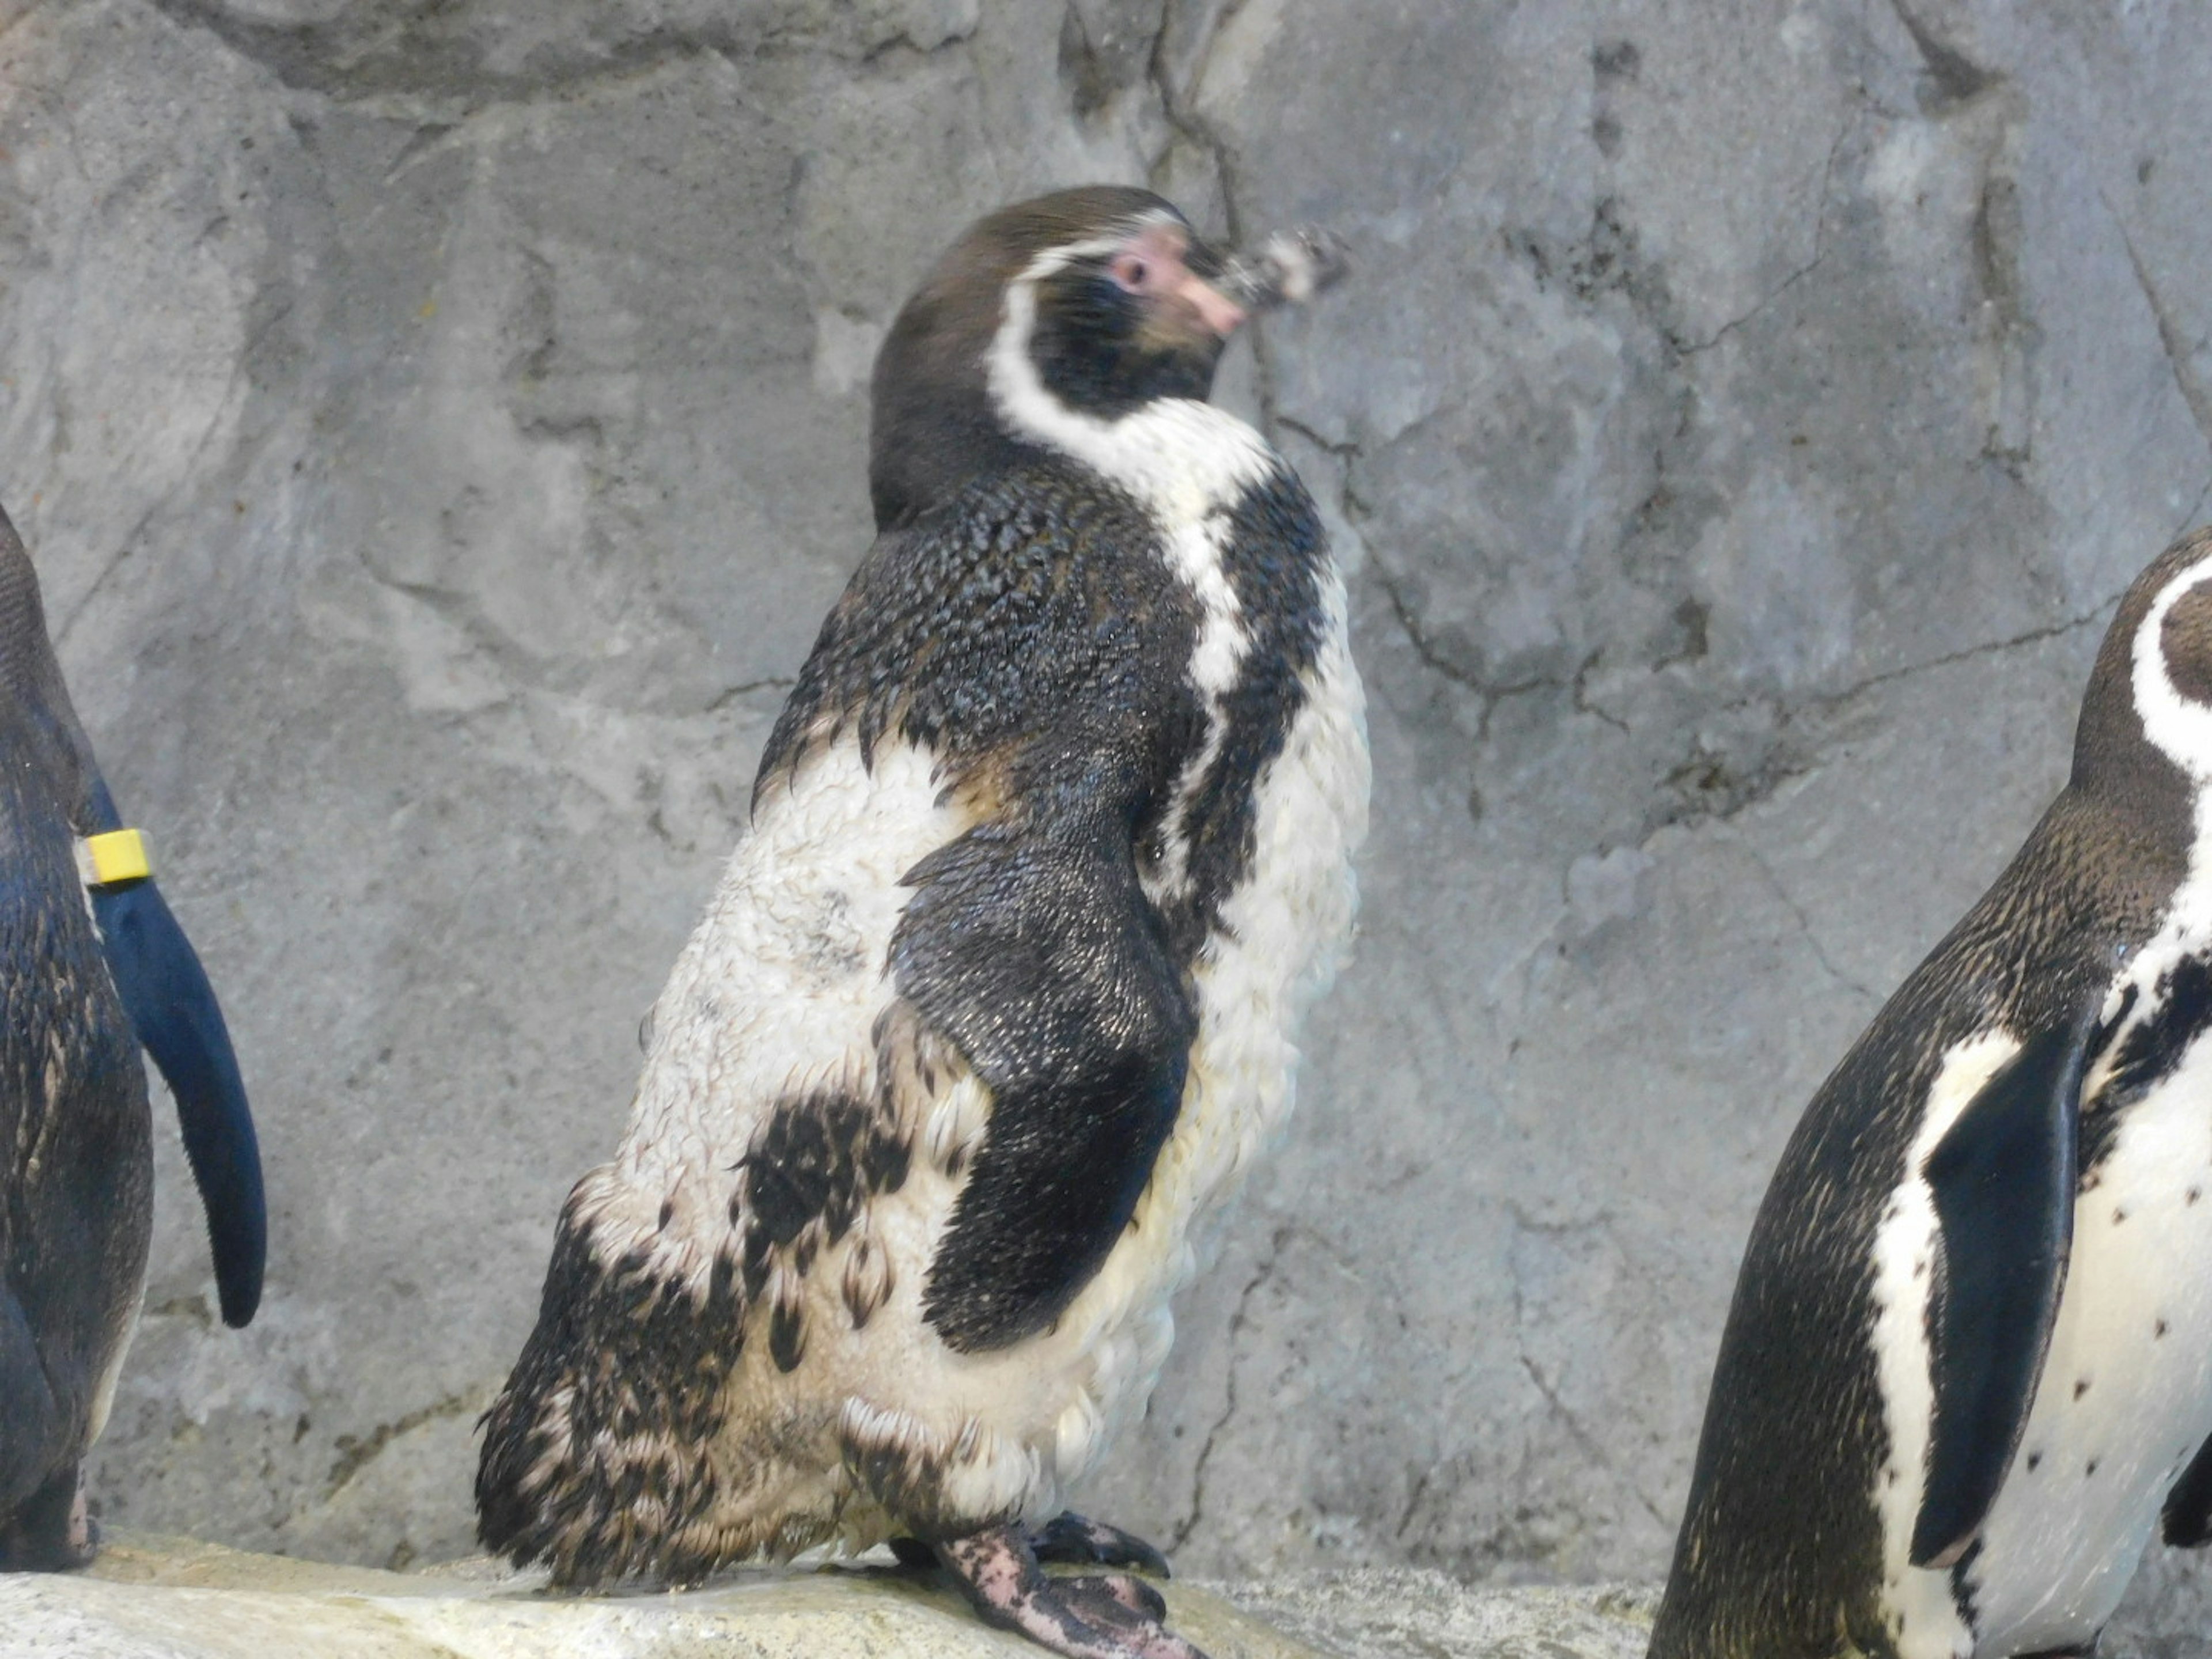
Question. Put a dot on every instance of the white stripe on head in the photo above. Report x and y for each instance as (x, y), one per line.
(2181, 727)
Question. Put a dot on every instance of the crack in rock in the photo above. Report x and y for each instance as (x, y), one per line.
(2195, 394)
(1804, 923)
(1585, 1441)
(1491, 694)
(1958, 78)
(357, 1452)
(1708, 770)
(1820, 254)
(1237, 1322)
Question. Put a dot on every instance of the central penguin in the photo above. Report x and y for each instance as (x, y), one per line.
(1051, 851)
(1967, 1374)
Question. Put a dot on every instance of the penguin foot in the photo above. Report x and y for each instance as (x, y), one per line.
(52, 1530)
(1101, 1616)
(1068, 1537)
(1124, 1590)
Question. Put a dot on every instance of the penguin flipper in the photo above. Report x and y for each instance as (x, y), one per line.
(1045, 964)
(2003, 1182)
(173, 1009)
(2185, 1522)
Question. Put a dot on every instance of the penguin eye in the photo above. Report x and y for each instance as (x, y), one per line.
(1132, 273)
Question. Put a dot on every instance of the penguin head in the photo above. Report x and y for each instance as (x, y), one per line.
(1087, 305)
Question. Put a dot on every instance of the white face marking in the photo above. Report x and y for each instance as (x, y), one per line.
(2126, 1397)
(1916, 1600)
(2180, 728)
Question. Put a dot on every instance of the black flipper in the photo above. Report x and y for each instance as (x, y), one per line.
(2003, 1180)
(1041, 958)
(2186, 1521)
(173, 1008)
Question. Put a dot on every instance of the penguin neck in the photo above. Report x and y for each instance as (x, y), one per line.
(1181, 458)
(2143, 757)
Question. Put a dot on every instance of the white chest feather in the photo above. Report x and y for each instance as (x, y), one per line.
(2126, 1392)
(2125, 1397)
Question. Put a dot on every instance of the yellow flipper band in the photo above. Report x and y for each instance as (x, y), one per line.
(118, 855)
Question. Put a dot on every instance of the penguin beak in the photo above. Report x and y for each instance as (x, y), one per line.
(1212, 308)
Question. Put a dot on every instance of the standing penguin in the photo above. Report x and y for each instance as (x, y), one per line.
(1969, 1365)
(92, 967)
(1051, 850)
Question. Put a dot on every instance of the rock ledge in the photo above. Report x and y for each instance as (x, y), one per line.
(163, 1598)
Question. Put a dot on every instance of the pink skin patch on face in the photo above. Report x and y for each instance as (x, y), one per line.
(1151, 265)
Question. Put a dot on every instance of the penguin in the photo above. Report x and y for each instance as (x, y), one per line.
(1967, 1372)
(1050, 852)
(93, 969)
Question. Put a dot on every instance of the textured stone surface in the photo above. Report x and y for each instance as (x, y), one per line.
(168, 1598)
(439, 426)
(1408, 1613)
(163, 1598)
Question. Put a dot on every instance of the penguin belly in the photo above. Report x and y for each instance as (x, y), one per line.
(2125, 1397)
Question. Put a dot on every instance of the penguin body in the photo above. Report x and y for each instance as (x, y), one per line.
(1968, 1373)
(91, 969)
(1051, 850)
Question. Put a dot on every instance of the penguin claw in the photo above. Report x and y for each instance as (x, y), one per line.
(1104, 1616)
(1069, 1537)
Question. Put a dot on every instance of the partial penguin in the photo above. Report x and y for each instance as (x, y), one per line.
(1051, 851)
(92, 967)
(1968, 1370)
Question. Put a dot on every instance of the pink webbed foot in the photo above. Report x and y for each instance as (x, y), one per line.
(1095, 1616)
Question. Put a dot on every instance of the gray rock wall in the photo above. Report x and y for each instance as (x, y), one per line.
(439, 425)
